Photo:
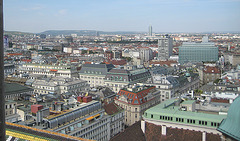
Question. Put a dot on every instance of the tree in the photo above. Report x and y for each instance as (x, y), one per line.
(198, 92)
(91, 52)
(84, 51)
(217, 81)
(127, 58)
(32, 49)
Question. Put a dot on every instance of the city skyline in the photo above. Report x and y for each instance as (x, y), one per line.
(162, 15)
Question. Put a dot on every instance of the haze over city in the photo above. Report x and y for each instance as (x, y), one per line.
(118, 70)
(122, 15)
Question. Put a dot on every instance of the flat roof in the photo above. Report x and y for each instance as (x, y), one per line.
(188, 102)
(59, 113)
(168, 108)
(13, 88)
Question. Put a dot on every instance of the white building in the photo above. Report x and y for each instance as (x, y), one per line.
(146, 54)
(117, 118)
(94, 74)
(11, 111)
(59, 85)
(64, 70)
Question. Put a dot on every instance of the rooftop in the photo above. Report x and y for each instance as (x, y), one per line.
(25, 132)
(56, 114)
(210, 69)
(230, 125)
(136, 95)
(112, 108)
(172, 109)
(132, 133)
(13, 88)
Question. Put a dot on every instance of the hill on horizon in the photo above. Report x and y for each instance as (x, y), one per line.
(84, 32)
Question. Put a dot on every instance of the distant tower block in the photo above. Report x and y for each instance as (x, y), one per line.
(165, 47)
(150, 30)
(97, 33)
(205, 39)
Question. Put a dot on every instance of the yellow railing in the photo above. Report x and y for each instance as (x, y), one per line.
(23, 136)
(48, 132)
(92, 117)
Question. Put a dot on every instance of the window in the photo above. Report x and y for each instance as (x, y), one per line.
(151, 116)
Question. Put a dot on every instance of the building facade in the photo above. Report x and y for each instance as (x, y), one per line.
(14, 91)
(9, 69)
(145, 54)
(198, 52)
(177, 119)
(59, 85)
(116, 79)
(94, 74)
(232, 58)
(63, 70)
(135, 100)
(167, 85)
(165, 47)
(11, 111)
(150, 30)
(83, 119)
(117, 118)
(209, 74)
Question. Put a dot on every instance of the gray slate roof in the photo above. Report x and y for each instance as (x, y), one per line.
(101, 69)
(13, 88)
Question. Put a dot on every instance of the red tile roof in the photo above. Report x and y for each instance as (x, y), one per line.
(169, 62)
(136, 96)
(153, 133)
(209, 69)
(219, 100)
(88, 62)
(132, 133)
(119, 62)
(27, 60)
(14, 54)
(112, 108)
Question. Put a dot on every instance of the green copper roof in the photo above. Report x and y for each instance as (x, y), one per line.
(231, 125)
(168, 108)
(188, 102)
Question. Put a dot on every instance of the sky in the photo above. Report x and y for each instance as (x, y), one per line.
(122, 15)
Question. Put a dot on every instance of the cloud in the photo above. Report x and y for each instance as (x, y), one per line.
(62, 12)
(34, 8)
